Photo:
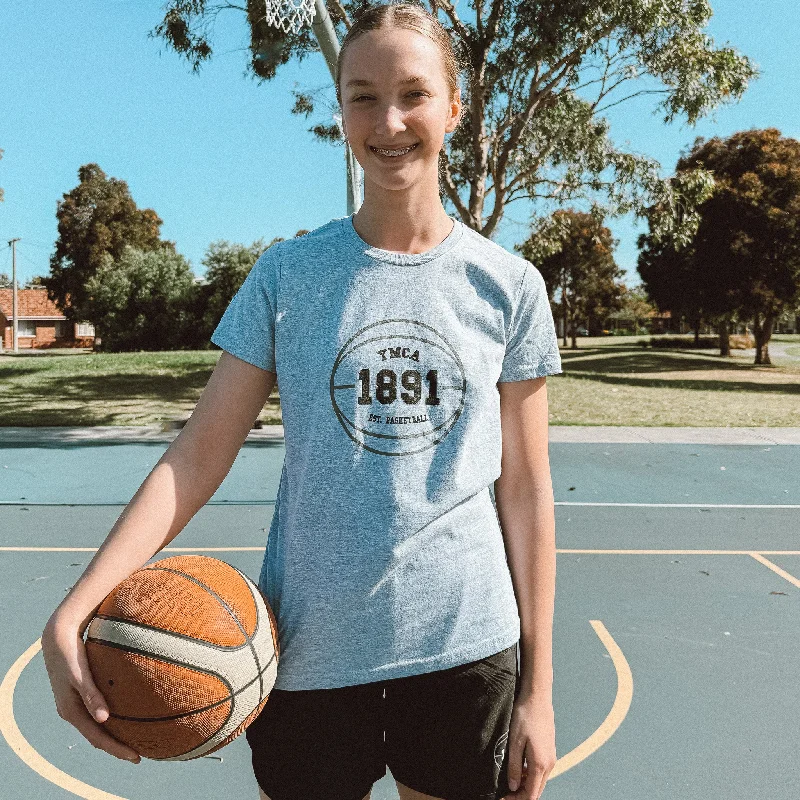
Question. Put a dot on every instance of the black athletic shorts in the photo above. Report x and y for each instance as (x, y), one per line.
(446, 734)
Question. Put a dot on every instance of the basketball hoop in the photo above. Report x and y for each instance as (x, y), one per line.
(289, 15)
(293, 15)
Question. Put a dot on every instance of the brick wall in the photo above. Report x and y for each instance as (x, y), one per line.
(45, 337)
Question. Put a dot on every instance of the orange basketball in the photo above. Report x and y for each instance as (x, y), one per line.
(185, 651)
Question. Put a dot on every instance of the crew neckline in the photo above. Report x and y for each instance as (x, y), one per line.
(404, 259)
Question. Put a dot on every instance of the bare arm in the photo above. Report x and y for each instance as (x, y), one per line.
(526, 509)
(183, 480)
(525, 506)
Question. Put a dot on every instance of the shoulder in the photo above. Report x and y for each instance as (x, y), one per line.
(317, 239)
(270, 265)
(510, 267)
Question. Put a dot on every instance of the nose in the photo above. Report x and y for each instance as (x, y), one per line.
(389, 121)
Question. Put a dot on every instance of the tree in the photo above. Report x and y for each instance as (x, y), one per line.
(540, 75)
(5, 281)
(140, 302)
(97, 218)
(579, 261)
(670, 279)
(744, 260)
(227, 265)
(635, 306)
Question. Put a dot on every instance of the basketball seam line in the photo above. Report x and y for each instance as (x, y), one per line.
(146, 626)
(228, 609)
(136, 651)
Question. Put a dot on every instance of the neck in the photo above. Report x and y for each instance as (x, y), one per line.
(402, 222)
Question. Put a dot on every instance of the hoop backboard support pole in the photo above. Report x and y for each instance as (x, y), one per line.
(329, 44)
(291, 15)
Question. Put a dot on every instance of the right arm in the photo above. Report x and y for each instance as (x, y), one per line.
(182, 482)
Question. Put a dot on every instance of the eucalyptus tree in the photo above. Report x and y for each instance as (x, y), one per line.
(538, 77)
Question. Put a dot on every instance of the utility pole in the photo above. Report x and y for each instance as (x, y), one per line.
(14, 325)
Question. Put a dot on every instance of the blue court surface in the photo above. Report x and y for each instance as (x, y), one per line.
(677, 619)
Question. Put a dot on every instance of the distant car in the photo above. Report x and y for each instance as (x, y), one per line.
(582, 332)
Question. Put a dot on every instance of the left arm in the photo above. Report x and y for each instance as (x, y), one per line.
(525, 507)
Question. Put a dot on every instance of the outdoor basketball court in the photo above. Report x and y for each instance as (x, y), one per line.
(676, 623)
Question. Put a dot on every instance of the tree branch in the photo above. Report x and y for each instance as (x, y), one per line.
(635, 94)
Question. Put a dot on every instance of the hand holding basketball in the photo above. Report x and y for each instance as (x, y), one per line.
(78, 699)
(186, 651)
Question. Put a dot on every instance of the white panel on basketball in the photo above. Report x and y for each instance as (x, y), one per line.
(235, 665)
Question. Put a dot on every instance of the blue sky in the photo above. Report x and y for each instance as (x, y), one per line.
(219, 157)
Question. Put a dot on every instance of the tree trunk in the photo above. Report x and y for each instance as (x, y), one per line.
(762, 333)
(697, 332)
(725, 338)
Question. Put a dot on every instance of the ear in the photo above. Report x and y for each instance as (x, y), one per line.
(455, 111)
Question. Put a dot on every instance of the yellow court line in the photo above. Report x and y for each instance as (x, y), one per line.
(607, 551)
(618, 712)
(95, 549)
(20, 745)
(775, 568)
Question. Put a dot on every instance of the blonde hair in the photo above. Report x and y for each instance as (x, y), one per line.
(414, 18)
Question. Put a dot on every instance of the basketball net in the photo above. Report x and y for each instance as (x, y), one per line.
(289, 15)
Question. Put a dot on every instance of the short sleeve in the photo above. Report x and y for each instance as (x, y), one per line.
(532, 345)
(247, 328)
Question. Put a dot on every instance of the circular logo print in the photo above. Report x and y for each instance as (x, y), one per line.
(397, 387)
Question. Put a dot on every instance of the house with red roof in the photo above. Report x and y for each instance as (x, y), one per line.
(40, 323)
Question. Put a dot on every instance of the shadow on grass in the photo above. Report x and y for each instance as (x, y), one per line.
(699, 385)
(8, 372)
(632, 360)
(87, 399)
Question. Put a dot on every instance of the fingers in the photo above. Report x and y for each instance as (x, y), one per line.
(516, 753)
(78, 716)
(92, 697)
(78, 700)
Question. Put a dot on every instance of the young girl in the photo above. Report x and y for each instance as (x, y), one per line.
(414, 614)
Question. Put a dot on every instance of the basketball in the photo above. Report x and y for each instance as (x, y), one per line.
(185, 652)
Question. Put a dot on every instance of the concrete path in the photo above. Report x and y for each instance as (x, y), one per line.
(608, 434)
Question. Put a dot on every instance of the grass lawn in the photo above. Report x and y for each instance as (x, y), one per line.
(607, 381)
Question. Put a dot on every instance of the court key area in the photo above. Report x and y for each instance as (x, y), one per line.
(676, 620)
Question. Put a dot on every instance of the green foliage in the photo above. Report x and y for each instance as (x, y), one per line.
(537, 77)
(6, 282)
(573, 251)
(227, 265)
(140, 301)
(744, 259)
(96, 219)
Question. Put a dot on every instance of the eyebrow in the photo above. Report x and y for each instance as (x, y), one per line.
(411, 79)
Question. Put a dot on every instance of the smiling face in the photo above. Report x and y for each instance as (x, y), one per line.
(395, 95)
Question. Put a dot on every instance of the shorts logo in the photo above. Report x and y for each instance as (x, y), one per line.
(397, 387)
(500, 749)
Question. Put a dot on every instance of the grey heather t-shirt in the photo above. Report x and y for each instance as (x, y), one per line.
(385, 557)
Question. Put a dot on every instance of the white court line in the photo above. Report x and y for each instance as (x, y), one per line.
(557, 502)
(676, 505)
(125, 502)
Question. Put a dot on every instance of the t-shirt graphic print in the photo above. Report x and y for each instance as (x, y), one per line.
(409, 385)
(385, 556)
